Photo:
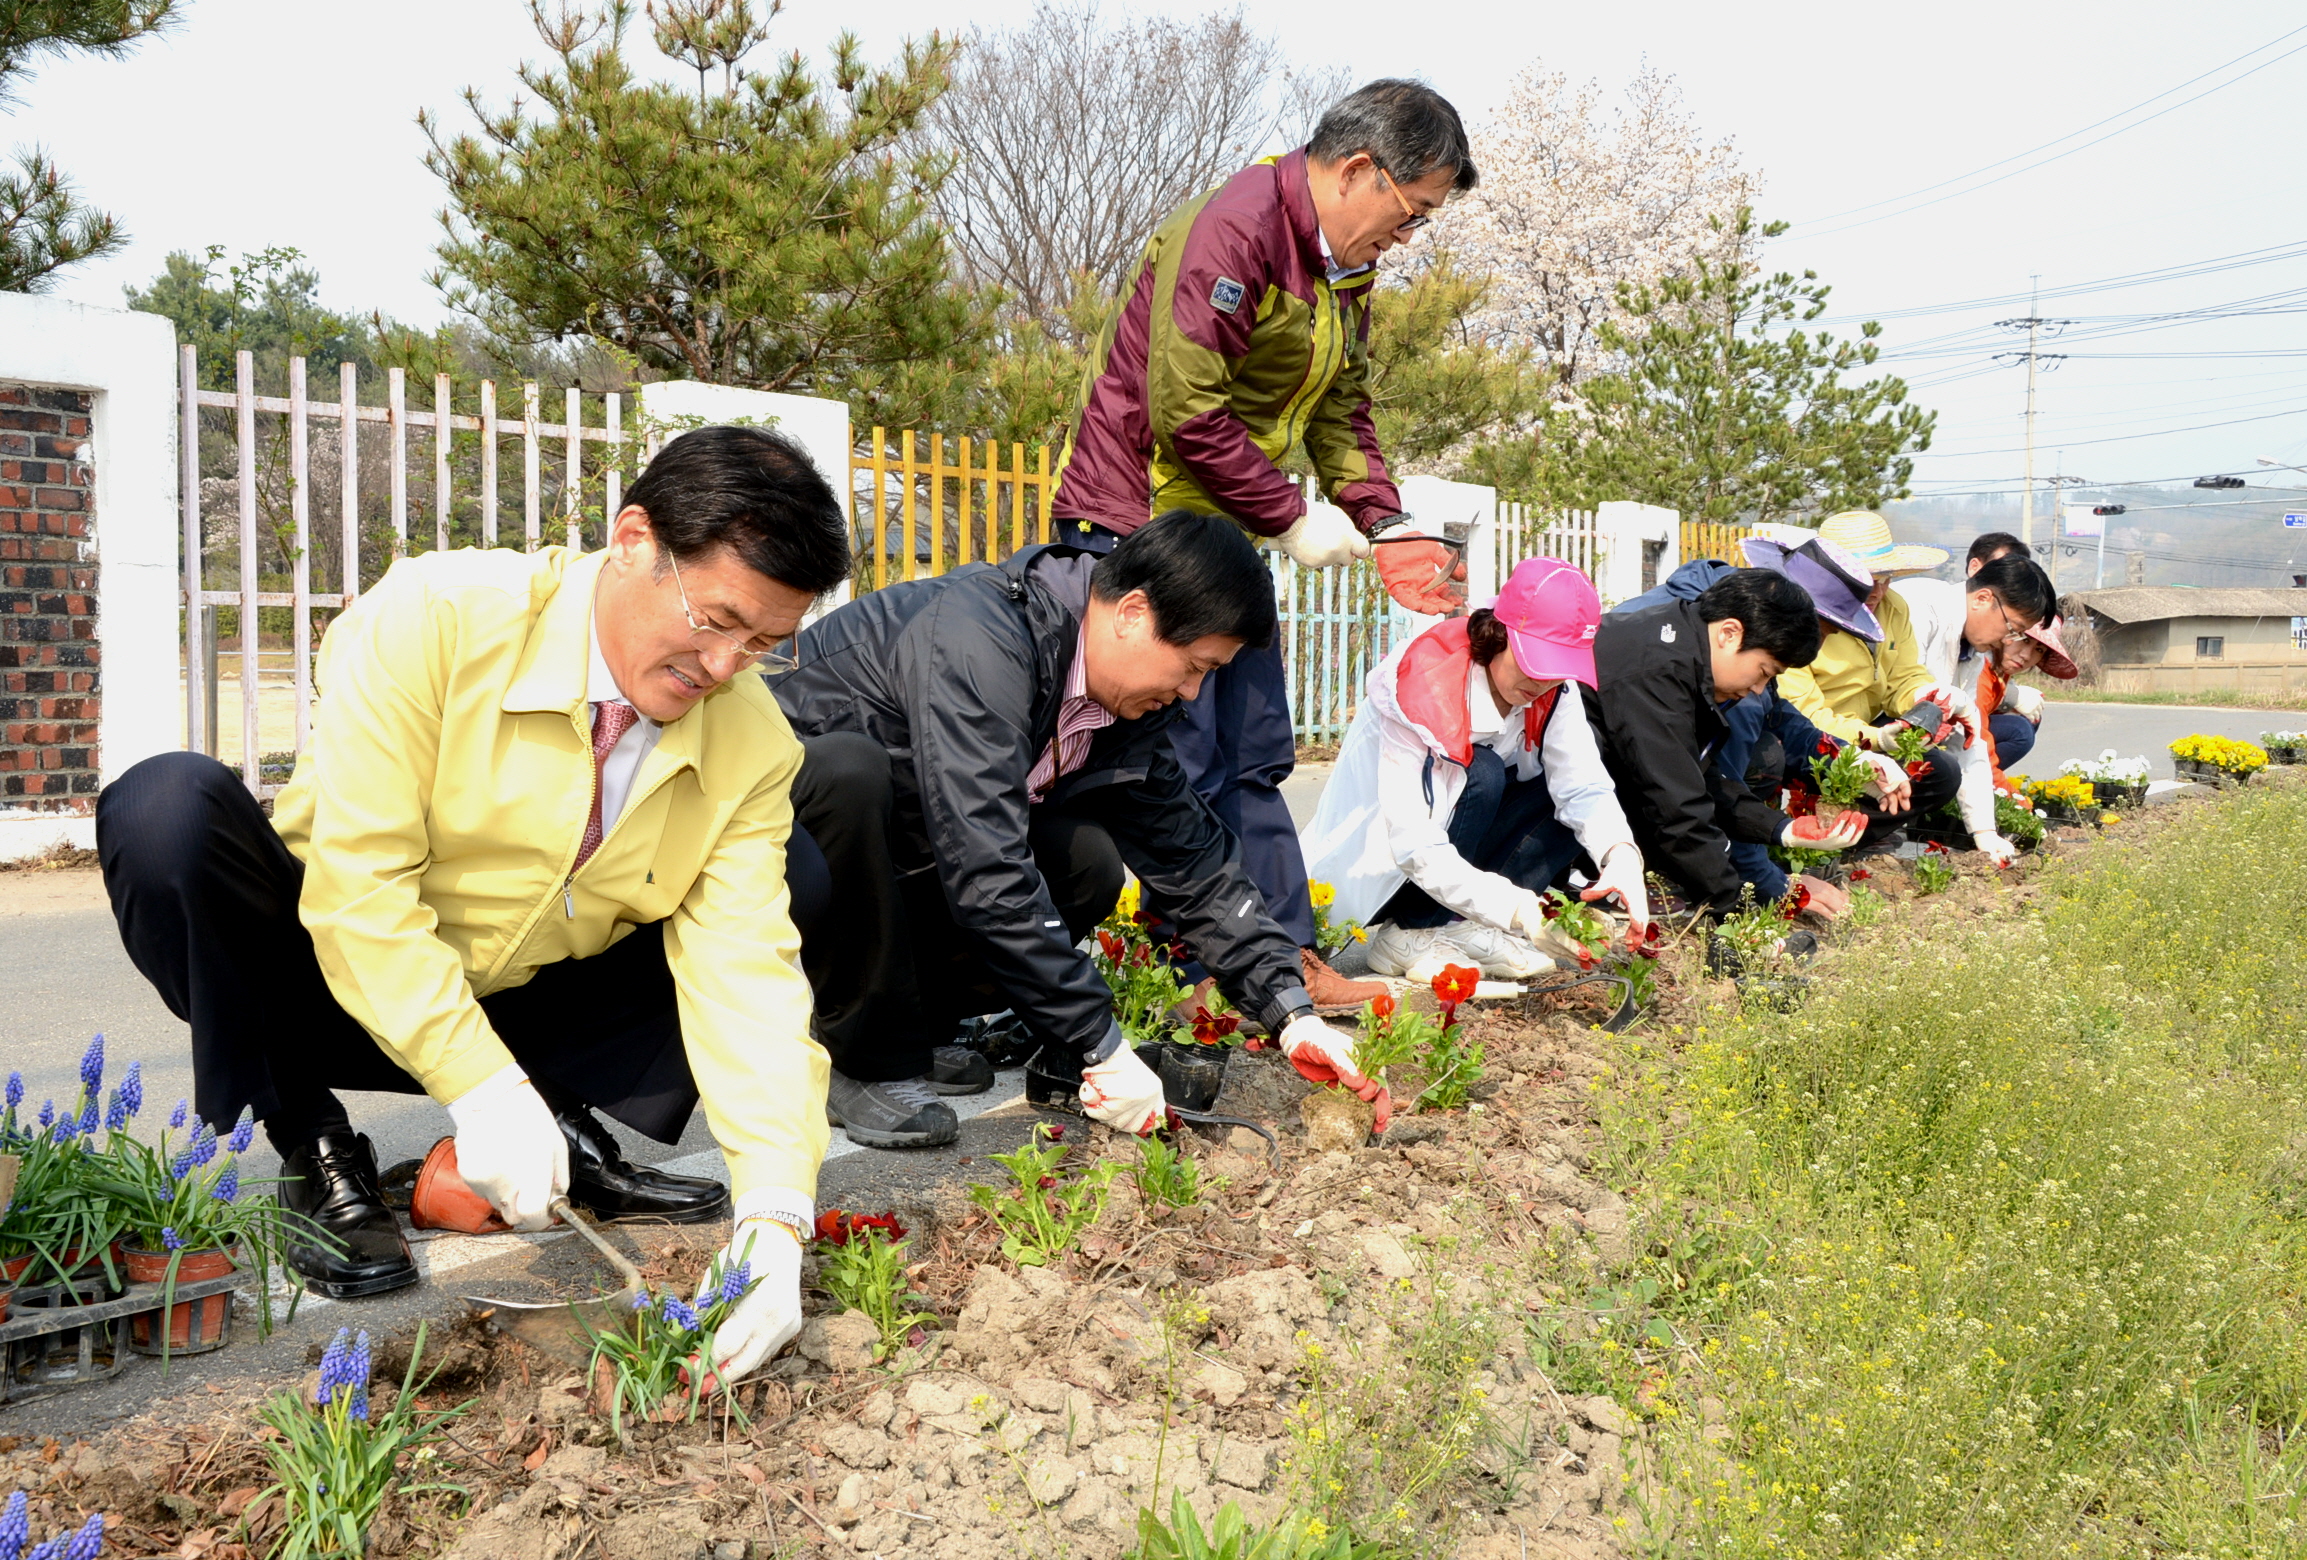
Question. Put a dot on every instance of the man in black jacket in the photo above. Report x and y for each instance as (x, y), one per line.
(1664, 676)
(984, 753)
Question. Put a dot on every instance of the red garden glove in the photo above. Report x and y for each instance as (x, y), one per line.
(1813, 834)
(1424, 576)
(1323, 1055)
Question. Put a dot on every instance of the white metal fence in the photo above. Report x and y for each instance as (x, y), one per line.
(272, 460)
(1337, 624)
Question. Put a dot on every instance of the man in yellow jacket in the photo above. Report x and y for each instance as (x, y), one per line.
(534, 862)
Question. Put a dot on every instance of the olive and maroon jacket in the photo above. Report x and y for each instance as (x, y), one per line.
(1230, 346)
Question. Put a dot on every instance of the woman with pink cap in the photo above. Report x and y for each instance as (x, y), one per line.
(1467, 786)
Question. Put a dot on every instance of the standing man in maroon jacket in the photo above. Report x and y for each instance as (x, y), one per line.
(1242, 334)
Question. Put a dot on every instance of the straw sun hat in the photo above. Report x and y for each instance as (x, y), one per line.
(1866, 536)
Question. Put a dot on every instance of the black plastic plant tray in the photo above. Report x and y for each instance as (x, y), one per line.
(47, 1348)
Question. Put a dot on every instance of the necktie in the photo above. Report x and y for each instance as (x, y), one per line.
(611, 720)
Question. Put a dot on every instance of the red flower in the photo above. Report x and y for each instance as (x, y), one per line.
(1796, 901)
(1172, 1120)
(1211, 1028)
(1551, 907)
(1146, 918)
(1585, 959)
(1056, 1134)
(1046, 1182)
(1113, 946)
(1918, 770)
(1859, 874)
(1382, 1007)
(1648, 944)
(1827, 747)
(1936, 849)
(1455, 984)
(839, 1228)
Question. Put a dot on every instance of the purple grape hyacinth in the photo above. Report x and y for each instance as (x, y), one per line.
(15, 1527)
(15, 1090)
(169, 1239)
(176, 1116)
(47, 1114)
(132, 1088)
(680, 1312)
(243, 1132)
(228, 1184)
(344, 1371)
(735, 1282)
(92, 1066)
(90, 1117)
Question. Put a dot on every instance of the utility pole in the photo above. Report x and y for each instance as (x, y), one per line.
(2036, 326)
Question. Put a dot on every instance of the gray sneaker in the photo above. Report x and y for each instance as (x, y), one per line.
(903, 1114)
(956, 1069)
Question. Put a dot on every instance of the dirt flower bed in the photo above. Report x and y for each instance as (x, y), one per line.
(1439, 1343)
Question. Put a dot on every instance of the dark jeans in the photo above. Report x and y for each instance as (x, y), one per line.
(893, 974)
(1765, 777)
(1500, 825)
(2014, 737)
(206, 897)
(1236, 744)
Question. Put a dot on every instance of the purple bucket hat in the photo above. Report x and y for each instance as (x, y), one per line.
(1838, 583)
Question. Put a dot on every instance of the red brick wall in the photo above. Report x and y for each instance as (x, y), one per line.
(48, 654)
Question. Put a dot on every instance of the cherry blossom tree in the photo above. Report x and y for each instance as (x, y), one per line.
(1579, 197)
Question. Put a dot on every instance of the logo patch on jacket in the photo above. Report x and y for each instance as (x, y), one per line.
(1227, 295)
(1666, 633)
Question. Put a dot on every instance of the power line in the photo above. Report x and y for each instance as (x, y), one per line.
(2124, 438)
(2269, 255)
(2056, 156)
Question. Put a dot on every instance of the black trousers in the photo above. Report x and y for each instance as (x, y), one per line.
(206, 897)
(893, 974)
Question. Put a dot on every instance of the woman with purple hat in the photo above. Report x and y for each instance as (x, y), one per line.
(1468, 785)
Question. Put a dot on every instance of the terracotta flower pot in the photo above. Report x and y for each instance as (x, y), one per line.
(194, 1326)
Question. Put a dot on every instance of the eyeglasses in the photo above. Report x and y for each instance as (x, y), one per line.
(1412, 218)
(705, 639)
(2017, 635)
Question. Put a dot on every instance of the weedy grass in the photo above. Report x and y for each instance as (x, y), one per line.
(1997, 1247)
(1046, 1207)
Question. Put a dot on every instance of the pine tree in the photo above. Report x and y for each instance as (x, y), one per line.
(44, 225)
(757, 232)
(1721, 405)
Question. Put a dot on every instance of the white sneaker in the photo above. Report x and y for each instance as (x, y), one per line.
(1417, 952)
(1502, 955)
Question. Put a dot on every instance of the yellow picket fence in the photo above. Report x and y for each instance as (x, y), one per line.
(1712, 539)
(914, 513)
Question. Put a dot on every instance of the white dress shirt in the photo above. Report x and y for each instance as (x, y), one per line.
(624, 760)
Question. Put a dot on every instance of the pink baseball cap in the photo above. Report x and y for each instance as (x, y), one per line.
(1550, 612)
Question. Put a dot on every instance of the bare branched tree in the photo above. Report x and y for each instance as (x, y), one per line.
(1071, 136)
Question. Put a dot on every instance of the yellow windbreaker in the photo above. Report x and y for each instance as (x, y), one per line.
(439, 808)
(1853, 683)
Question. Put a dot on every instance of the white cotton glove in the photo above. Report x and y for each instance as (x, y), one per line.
(1890, 783)
(1123, 1092)
(1324, 538)
(1810, 834)
(1620, 876)
(509, 1147)
(769, 1317)
(1998, 850)
(1325, 1055)
(2022, 700)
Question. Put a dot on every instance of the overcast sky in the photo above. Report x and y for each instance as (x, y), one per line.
(292, 122)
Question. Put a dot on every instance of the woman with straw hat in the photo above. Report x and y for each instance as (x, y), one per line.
(1868, 691)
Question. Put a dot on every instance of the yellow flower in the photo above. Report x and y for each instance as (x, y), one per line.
(1360, 935)
(1322, 894)
(1125, 908)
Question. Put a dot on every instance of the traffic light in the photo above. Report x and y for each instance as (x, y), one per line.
(2218, 482)
(2107, 509)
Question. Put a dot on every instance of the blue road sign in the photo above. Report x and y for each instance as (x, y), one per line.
(2295, 522)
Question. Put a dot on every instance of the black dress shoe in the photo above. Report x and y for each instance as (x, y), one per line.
(332, 1181)
(607, 1185)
